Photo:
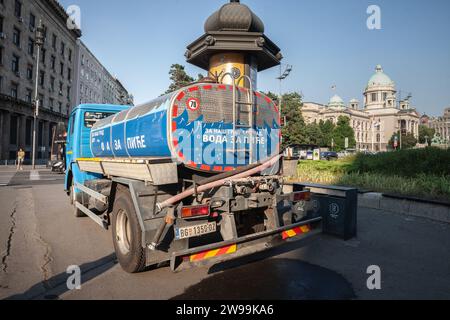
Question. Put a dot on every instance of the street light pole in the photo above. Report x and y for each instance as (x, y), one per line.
(283, 75)
(375, 125)
(39, 43)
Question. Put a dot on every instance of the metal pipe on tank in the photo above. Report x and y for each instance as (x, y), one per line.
(170, 202)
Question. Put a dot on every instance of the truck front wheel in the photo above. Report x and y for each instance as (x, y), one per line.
(127, 234)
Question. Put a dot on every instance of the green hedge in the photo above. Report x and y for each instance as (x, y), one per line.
(405, 163)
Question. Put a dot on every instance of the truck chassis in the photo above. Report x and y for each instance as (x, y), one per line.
(245, 215)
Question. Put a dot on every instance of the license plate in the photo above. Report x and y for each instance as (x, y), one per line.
(195, 231)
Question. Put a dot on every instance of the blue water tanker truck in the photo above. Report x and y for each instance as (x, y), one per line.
(191, 178)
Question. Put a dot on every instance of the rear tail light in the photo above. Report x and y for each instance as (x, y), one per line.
(195, 211)
(302, 196)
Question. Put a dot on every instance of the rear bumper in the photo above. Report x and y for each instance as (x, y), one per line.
(228, 250)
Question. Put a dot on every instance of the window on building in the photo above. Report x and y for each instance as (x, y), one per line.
(30, 72)
(52, 84)
(63, 49)
(18, 9)
(70, 55)
(61, 69)
(28, 132)
(43, 55)
(32, 23)
(51, 103)
(41, 100)
(60, 88)
(15, 63)
(54, 41)
(68, 93)
(14, 90)
(41, 78)
(30, 46)
(69, 74)
(28, 95)
(1, 84)
(53, 62)
(60, 106)
(1, 24)
(1, 55)
(16, 36)
(384, 96)
(44, 33)
(374, 97)
(378, 137)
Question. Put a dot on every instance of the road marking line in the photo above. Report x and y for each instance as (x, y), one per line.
(34, 175)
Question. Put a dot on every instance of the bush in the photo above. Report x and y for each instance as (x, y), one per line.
(423, 173)
(405, 163)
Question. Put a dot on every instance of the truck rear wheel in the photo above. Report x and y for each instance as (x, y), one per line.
(127, 234)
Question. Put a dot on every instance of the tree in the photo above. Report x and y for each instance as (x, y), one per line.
(408, 140)
(326, 128)
(313, 134)
(178, 77)
(294, 129)
(342, 131)
(275, 98)
(426, 134)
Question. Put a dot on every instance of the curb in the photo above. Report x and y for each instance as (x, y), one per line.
(411, 207)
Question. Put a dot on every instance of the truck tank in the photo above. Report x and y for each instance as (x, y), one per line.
(195, 126)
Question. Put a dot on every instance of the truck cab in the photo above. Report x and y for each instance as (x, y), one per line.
(81, 121)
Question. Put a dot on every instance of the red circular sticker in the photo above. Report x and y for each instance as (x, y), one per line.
(193, 104)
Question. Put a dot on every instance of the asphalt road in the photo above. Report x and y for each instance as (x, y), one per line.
(39, 239)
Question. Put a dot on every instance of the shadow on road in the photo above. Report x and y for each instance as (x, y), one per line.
(274, 279)
(279, 249)
(262, 276)
(54, 287)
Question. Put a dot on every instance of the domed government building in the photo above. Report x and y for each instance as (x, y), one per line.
(379, 118)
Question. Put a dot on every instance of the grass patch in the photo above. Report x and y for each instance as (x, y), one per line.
(377, 173)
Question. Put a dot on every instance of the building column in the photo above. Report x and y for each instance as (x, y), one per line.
(1, 132)
(45, 142)
(5, 135)
(22, 124)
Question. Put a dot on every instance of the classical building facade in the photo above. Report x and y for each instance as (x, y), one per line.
(94, 82)
(18, 52)
(441, 125)
(380, 117)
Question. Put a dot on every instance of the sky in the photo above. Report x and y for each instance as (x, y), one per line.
(327, 42)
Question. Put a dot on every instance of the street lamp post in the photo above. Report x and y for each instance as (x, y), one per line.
(375, 125)
(283, 75)
(39, 44)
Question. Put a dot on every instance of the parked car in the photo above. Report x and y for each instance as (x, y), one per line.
(329, 155)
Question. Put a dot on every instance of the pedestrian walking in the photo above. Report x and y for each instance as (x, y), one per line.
(20, 159)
